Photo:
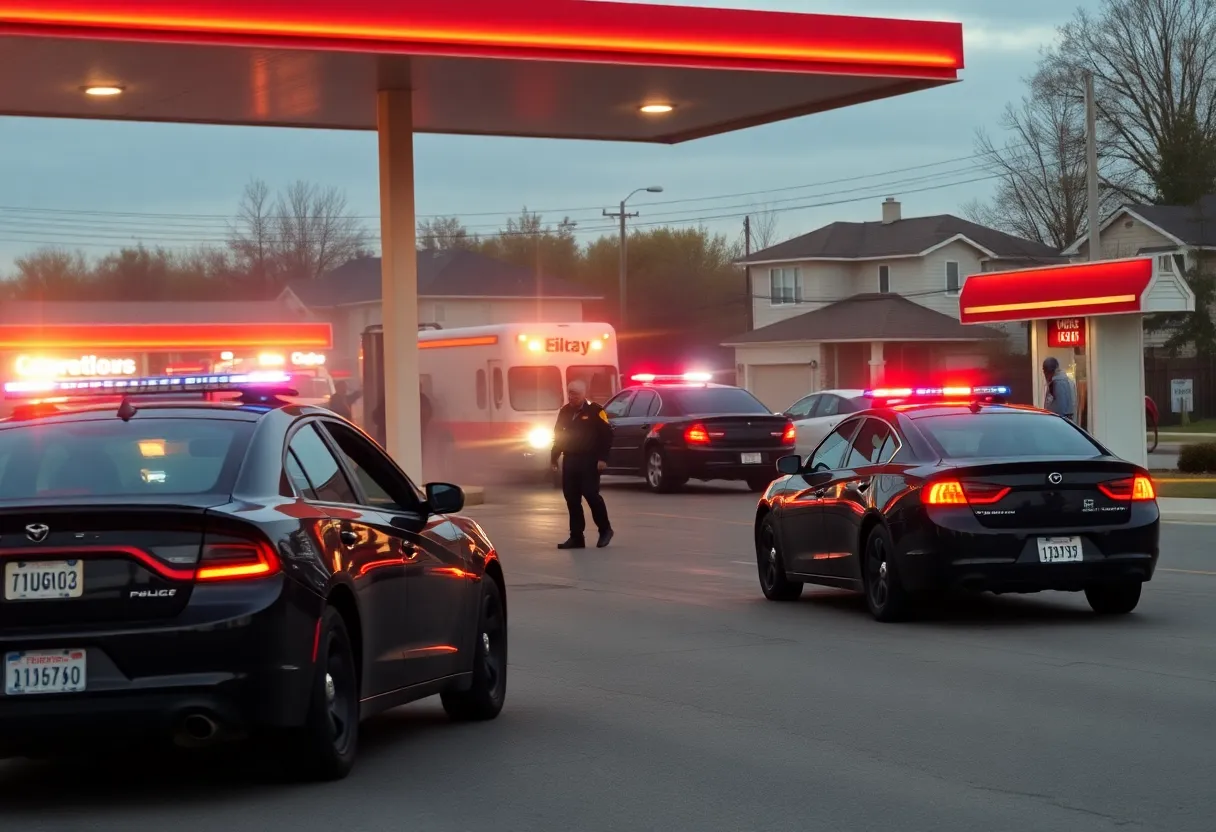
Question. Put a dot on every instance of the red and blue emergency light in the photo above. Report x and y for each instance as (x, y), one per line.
(687, 378)
(84, 388)
(939, 393)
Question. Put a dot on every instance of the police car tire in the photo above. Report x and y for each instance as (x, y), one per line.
(312, 753)
(1115, 598)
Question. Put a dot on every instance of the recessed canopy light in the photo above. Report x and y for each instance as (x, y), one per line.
(103, 90)
(656, 109)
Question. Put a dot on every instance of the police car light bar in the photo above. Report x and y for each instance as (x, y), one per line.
(936, 392)
(647, 378)
(85, 388)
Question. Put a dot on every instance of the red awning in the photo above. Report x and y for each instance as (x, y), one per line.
(168, 337)
(1111, 287)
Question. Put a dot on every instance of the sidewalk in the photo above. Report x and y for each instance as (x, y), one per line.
(1187, 510)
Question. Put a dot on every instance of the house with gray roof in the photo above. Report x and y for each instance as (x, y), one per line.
(1175, 235)
(455, 288)
(852, 302)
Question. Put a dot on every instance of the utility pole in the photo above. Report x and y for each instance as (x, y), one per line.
(623, 216)
(747, 271)
(1091, 166)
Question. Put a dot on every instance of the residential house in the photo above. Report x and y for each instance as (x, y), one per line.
(456, 288)
(851, 303)
(1173, 234)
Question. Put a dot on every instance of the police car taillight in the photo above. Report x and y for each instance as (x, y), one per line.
(235, 559)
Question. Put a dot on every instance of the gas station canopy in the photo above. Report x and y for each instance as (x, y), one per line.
(1108, 287)
(544, 68)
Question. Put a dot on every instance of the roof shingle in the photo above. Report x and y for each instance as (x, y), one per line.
(902, 238)
(868, 317)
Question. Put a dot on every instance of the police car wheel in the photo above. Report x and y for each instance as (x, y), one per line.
(659, 476)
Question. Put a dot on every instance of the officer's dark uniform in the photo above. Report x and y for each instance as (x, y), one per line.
(584, 436)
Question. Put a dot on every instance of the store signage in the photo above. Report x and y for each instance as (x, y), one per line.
(307, 359)
(1064, 333)
(87, 366)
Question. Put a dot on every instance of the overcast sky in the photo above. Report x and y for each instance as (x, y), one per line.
(177, 169)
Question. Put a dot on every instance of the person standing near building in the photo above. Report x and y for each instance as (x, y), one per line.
(582, 439)
(1061, 396)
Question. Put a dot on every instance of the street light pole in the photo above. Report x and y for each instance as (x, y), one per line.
(622, 215)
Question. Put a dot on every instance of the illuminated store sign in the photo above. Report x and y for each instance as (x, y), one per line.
(88, 366)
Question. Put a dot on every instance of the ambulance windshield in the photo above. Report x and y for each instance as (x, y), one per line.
(601, 380)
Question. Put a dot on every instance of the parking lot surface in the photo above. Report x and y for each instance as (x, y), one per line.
(653, 688)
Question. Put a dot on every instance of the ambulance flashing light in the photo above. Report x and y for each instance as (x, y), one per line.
(270, 381)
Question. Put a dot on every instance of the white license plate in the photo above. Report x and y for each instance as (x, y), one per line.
(43, 580)
(45, 671)
(1059, 549)
(752, 459)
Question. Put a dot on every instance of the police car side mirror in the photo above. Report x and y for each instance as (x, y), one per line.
(444, 498)
(791, 464)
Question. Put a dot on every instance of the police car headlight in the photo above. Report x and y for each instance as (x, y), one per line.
(540, 438)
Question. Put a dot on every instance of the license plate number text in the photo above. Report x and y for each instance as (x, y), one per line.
(1059, 549)
(45, 671)
(43, 580)
(752, 459)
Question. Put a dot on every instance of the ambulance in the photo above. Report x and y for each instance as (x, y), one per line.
(494, 391)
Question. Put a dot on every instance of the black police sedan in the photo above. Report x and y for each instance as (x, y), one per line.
(670, 429)
(207, 571)
(909, 498)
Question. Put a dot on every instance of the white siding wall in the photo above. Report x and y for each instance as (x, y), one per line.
(1124, 238)
(822, 282)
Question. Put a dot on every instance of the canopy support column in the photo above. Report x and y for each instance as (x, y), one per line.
(399, 276)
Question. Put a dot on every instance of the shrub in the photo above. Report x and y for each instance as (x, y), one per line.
(1199, 458)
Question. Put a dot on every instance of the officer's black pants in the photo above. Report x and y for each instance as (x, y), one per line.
(581, 481)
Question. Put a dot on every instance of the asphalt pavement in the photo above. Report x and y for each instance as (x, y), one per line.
(653, 688)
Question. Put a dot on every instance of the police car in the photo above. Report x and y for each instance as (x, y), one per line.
(207, 570)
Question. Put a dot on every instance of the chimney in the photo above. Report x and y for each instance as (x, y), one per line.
(890, 211)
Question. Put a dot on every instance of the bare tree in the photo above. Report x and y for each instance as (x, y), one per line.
(442, 233)
(252, 236)
(315, 231)
(763, 226)
(1154, 68)
(1040, 168)
(51, 273)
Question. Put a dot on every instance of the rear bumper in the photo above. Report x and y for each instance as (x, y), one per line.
(244, 660)
(729, 465)
(957, 553)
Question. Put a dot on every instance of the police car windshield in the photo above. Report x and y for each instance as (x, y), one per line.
(692, 401)
(112, 458)
(1005, 434)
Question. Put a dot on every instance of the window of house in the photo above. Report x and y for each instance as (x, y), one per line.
(884, 279)
(785, 286)
(953, 280)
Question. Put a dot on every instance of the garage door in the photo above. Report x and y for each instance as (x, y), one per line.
(780, 385)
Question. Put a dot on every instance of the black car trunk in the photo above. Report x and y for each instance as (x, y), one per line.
(1047, 493)
(93, 562)
(743, 432)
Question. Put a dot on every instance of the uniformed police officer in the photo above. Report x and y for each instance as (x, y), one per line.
(584, 437)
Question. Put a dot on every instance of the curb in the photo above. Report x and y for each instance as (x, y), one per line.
(1195, 518)
(474, 495)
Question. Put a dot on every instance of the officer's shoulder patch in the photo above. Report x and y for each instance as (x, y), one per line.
(603, 414)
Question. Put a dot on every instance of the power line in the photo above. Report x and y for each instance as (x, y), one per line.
(201, 236)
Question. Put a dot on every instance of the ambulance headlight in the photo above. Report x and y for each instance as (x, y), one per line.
(540, 438)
